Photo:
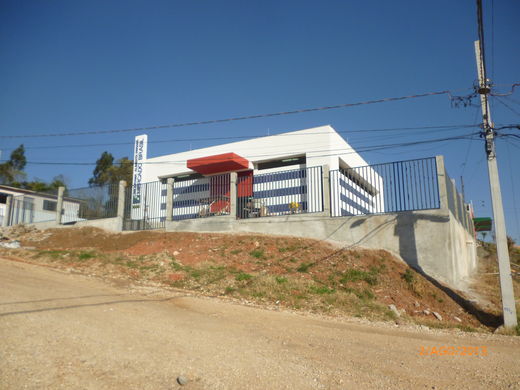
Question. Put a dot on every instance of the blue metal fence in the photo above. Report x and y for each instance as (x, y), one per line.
(385, 188)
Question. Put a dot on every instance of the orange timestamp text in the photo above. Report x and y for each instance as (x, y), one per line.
(453, 351)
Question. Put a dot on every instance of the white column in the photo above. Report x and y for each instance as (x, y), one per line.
(59, 205)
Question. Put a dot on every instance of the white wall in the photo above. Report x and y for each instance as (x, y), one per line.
(28, 208)
(321, 145)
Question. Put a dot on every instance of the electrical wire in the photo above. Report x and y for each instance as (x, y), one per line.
(513, 86)
(513, 191)
(242, 137)
(511, 100)
(337, 152)
(492, 39)
(238, 118)
(506, 105)
(469, 146)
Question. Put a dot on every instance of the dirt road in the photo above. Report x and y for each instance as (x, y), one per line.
(59, 330)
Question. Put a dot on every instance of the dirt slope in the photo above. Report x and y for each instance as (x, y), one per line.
(289, 272)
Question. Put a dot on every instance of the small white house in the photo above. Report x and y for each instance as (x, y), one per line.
(280, 173)
(30, 206)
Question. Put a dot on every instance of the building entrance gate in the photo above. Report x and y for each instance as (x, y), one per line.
(145, 206)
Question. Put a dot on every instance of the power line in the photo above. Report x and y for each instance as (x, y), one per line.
(511, 100)
(337, 151)
(239, 137)
(513, 191)
(506, 105)
(238, 118)
(509, 135)
(513, 86)
(469, 146)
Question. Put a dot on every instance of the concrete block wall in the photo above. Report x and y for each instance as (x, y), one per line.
(431, 241)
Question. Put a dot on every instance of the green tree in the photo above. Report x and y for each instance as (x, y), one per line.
(100, 173)
(106, 172)
(12, 170)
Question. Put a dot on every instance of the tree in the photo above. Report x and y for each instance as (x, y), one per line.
(100, 173)
(106, 172)
(12, 170)
(57, 182)
(124, 171)
(18, 160)
(39, 185)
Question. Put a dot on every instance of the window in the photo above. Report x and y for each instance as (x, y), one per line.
(282, 162)
(187, 177)
(49, 205)
(3, 198)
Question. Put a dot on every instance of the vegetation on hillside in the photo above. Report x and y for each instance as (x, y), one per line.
(12, 174)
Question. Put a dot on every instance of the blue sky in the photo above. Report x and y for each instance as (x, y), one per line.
(70, 66)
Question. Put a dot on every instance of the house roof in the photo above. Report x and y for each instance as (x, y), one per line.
(23, 191)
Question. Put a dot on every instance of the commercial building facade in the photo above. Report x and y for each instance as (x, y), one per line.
(276, 174)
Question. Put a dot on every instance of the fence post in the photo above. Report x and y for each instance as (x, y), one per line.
(169, 199)
(325, 174)
(8, 205)
(455, 210)
(463, 212)
(121, 199)
(233, 177)
(121, 204)
(59, 205)
(441, 183)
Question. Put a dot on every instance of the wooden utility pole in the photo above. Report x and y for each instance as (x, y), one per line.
(504, 266)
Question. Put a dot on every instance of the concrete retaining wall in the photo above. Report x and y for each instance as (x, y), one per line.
(111, 224)
(436, 242)
(431, 241)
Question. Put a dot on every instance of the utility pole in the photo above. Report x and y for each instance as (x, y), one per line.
(504, 266)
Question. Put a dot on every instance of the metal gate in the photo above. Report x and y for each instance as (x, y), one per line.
(22, 210)
(145, 206)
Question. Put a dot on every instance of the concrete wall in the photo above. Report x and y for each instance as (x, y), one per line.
(436, 242)
(432, 241)
(111, 224)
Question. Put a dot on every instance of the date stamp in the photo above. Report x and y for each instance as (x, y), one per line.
(449, 350)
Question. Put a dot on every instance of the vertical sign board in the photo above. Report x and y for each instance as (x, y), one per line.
(140, 147)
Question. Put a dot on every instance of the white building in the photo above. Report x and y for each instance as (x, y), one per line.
(30, 206)
(278, 174)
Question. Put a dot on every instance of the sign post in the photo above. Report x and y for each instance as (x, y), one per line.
(140, 147)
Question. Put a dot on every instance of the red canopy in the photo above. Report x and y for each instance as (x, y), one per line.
(220, 163)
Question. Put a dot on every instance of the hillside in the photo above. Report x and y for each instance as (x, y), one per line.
(276, 272)
(486, 284)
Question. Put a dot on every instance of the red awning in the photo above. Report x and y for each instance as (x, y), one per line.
(220, 163)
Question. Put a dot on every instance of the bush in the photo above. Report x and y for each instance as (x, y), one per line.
(257, 253)
(356, 275)
(321, 290)
(304, 267)
(409, 277)
(243, 276)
